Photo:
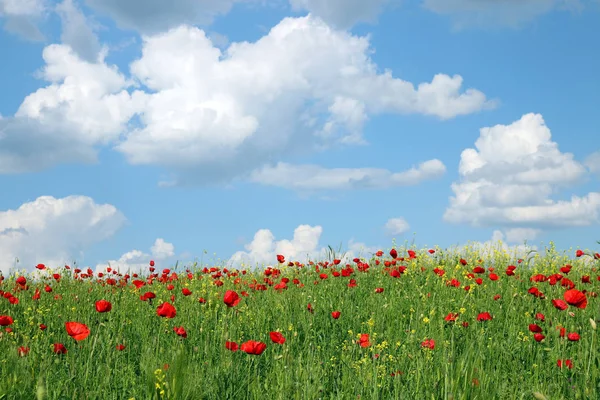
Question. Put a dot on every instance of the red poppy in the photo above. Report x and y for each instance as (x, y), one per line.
(40, 266)
(379, 290)
(77, 330)
(60, 348)
(231, 298)
(493, 277)
(428, 343)
(535, 328)
(309, 307)
(186, 291)
(277, 337)
(120, 347)
(559, 304)
(166, 310)
(253, 347)
(575, 298)
(485, 316)
(540, 316)
(152, 263)
(566, 363)
(233, 346)
(103, 306)
(364, 340)
(393, 253)
(463, 261)
(23, 351)
(451, 317)
(579, 253)
(539, 337)
(5, 320)
(280, 259)
(22, 280)
(335, 314)
(180, 331)
(573, 337)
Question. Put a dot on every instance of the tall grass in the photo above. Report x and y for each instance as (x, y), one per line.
(321, 359)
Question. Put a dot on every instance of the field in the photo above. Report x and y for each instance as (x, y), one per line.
(404, 324)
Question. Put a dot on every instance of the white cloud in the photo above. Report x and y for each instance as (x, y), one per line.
(519, 235)
(162, 249)
(593, 162)
(301, 87)
(21, 17)
(508, 179)
(213, 116)
(53, 231)
(396, 226)
(77, 32)
(152, 16)
(86, 105)
(486, 249)
(136, 261)
(487, 13)
(304, 246)
(342, 13)
(314, 177)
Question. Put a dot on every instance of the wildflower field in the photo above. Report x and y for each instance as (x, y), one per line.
(404, 324)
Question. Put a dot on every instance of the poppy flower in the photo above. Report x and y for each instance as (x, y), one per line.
(393, 253)
(451, 317)
(428, 344)
(120, 347)
(364, 340)
(352, 283)
(539, 337)
(166, 310)
(253, 347)
(180, 331)
(22, 280)
(575, 298)
(335, 314)
(186, 291)
(540, 316)
(379, 290)
(23, 351)
(309, 307)
(280, 259)
(277, 337)
(573, 337)
(40, 267)
(233, 346)
(77, 330)
(566, 363)
(5, 320)
(231, 298)
(60, 348)
(559, 304)
(579, 253)
(152, 263)
(485, 316)
(103, 306)
(535, 328)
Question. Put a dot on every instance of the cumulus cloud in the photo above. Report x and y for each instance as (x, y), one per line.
(512, 13)
(136, 261)
(77, 31)
(507, 180)
(342, 13)
(53, 231)
(496, 243)
(21, 17)
(593, 162)
(303, 86)
(314, 177)
(85, 106)
(304, 246)
(153, 16)
(396, 226)
(212, 116)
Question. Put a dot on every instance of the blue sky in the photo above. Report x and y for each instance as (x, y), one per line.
(136, 130)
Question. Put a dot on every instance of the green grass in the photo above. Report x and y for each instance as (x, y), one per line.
(320, 359)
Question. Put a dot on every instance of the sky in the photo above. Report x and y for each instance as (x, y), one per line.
(230, 131)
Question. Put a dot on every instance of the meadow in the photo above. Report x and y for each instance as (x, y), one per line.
(399, 324)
